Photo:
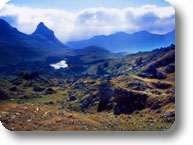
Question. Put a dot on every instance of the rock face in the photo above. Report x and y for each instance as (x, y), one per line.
(88, 101)
(128, 102)
(105, 94)
(120, 100)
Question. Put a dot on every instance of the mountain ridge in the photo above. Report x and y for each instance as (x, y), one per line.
(122, 41)
(17, 47)
(43, 33)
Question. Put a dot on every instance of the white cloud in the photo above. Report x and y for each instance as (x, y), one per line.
(92, 21)
(3, 2)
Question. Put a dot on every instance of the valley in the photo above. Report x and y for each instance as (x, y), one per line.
(59, 88)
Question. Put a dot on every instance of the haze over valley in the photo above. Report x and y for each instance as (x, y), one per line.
(89, 66)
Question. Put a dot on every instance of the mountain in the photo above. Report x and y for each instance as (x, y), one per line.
(45, 35)
(124, 42)
(90, 55)
(16, 46)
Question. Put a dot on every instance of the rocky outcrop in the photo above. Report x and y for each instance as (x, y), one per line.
(128, 102)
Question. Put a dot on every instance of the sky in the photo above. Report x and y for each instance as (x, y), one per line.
(77, 5)
(83, 19)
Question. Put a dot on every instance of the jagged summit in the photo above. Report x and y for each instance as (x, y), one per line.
(16, 46)
(43, 30)
(45, 34)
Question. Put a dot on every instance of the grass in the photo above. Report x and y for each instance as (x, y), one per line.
(71, 117)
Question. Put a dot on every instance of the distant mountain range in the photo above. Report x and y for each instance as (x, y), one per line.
(16, 46)
(124, 42)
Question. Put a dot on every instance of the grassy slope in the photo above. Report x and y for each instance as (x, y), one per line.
(34, 115)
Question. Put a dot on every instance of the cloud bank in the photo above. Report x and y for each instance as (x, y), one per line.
(92, 21)
(3, 2)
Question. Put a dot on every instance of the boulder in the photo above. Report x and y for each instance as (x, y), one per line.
(105, 94)
(161, 85)
(20, 102)
(51, 103)
(172, 99)
(105, 65)
(70, 116)
(160, 75)
(158, 111)
(86, 102)
(139, 61)
(100, 71)
(49, 91)
(13, 89)
(155, 106)
(3, 95)
(151, 70)
(170, 68)
(16, 82)
(38, 89)
(72, 98)
(127, 102)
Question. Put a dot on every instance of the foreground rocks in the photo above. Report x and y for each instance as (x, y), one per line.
(31, 117)
(128, 102)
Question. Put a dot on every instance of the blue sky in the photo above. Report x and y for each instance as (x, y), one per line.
(77, 5)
